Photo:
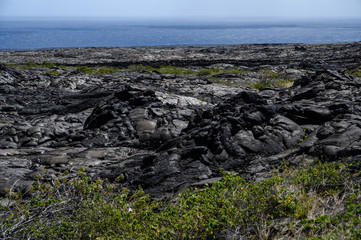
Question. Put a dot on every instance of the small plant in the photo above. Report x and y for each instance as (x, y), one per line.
(261, 85)
(305, 136)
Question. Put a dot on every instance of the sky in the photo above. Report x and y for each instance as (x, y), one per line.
(183, 8)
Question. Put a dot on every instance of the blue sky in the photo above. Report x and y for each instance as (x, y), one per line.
(182, 8)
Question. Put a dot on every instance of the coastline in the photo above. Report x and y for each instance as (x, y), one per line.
(334, 55)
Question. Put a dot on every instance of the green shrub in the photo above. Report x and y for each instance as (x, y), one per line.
(323, 177)
(318, 201)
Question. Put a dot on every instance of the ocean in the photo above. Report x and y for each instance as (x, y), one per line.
(45, 33)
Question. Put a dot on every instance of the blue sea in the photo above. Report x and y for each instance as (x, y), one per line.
(44, 33)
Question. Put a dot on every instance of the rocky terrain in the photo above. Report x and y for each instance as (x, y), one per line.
(167, 118)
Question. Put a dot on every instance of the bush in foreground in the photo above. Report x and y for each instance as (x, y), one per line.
(314, 202)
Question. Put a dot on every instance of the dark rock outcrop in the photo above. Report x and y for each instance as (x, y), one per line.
(145, 126)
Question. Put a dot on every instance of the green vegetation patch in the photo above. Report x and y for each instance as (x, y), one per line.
(163, 69)
(27, 65)
(355, 72)
(175, 70)
(48, 64)
(31, 65)
(276, 83)
(184, 71)
(85, 69)
(53, 73)
(261, 85)
(106, 70)
(314, 202)
(95, 70)
(269, 73)
(45, 64)
(269, 78)
(216, 71)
